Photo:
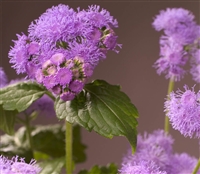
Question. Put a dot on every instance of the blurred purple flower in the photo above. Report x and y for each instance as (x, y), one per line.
(142, 167)
(172, 59)
(183, 163)
(18, 165)
(177, 23)
(44, 106)
(156, 147)
(3, 78)
(181, 33)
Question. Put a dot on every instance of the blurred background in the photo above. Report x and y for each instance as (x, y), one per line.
(131, 68)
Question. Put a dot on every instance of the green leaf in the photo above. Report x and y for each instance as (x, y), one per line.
(103, 108)
(48, 141)
(16, 145)
(7, 120)
(52, 166)
(20, 96)
(109, 169)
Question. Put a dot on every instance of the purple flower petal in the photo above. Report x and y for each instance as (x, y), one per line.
(63, 76)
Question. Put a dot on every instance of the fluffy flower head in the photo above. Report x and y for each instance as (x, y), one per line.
(183, 111)
(142, 167)
(156, 147)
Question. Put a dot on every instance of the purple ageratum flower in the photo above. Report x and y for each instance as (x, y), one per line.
(181, 33)
(89, 52)
(48, 68)
(18, 166)
(3, 78)
(176, 22)
(110, 41)
(50, 81)
(44, 106)
(76, 86)
(98, 18)
(58, 58)
(183, 111)
(88, 69)
(95, 34)
(33, 48)
(31, 69)
(57, 38)
(18, 54)
(172, 59)
(63, 76)
(182, 163)
(143, 167)
(156, 147)
(39, 76)
(57, 90)
(67, 96)
(56, 24)
(169, 18)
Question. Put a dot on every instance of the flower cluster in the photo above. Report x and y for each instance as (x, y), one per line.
(179, 43)
(17, 165)
(183, 110)
(154, 154)
(63, 47)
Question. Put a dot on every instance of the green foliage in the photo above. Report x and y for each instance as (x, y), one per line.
(103, 108)
(48, 141)
(20, 96)
(16, 145)
(52, 166)
(109, 169)
(7, 121)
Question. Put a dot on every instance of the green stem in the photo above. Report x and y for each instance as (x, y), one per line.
(68, 150)
(20, 120)
(28, 132)
(50, 95)
(197, 167)
(170, 88)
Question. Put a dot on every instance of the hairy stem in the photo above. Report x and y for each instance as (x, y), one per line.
(170, 88)
(68, 150)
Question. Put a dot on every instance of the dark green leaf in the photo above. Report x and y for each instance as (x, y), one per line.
(49, 139)
(109, 169)
(52, 166)
(21, 95)
(103, 108)
(7, 120)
